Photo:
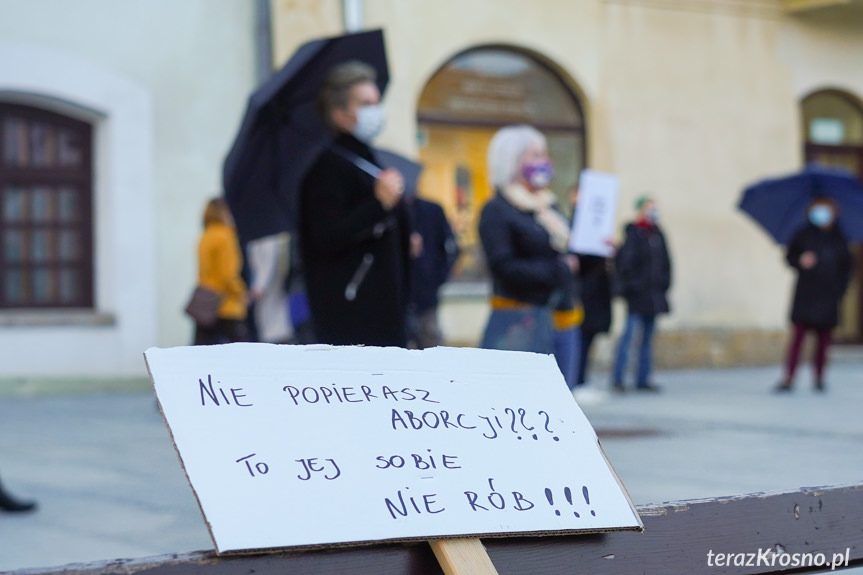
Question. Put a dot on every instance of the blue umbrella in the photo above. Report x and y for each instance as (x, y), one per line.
(281, 133)
(779, 205)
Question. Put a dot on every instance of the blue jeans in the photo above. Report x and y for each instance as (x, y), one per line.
(567, 352)
(644, 324)
(526, 329)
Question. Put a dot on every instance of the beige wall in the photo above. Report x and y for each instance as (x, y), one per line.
(164, 84)
(699, 104)
(295, 22)
(824, 49)
(688, 100)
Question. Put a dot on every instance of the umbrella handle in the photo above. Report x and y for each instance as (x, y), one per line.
(361, 163)
(358, 277)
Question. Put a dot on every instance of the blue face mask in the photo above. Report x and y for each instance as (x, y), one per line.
(821, 216)
(370, 122)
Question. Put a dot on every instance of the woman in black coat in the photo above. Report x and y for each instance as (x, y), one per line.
(819, 253)
(525, 240)
(354, 233)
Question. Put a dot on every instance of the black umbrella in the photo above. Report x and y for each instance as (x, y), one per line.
(281, 133)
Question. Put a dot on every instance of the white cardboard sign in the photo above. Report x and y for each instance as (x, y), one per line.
(319, 445)
(595, 215)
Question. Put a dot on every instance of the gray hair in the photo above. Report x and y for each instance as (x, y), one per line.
(506, 149)
(336, 88)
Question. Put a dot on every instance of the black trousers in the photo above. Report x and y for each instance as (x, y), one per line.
(223, 331)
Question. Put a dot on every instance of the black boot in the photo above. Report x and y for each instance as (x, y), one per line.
(12, 505)
(783, 387)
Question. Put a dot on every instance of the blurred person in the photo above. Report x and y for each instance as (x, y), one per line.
(819, 254)
(643, 268)
(596, 299)
(354, 231)
(268, 259)
(10, 504)
(298, 300)
(525, 239)
(434, 252)
(596, 294)
(220, 263)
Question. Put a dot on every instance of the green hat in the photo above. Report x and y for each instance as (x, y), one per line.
(643, 199)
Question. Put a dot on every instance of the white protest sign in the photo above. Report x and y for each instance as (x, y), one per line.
(595, 214)
(316, 445)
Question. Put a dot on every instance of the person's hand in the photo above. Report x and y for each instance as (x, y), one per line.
(389, 188)
(571, 261)
(612, 246)
(416, 245)
(253, 295)
(808, 260)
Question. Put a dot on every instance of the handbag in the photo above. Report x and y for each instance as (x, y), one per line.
(527, 329)
(203, 306)
(298, 309)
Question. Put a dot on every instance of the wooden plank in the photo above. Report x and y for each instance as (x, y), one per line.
(462, 556)
(678, 536)
(397, 559)
(676, 540)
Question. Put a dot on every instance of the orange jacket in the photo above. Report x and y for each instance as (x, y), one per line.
(219, 265)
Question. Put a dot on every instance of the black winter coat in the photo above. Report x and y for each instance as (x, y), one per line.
(595, 294)
(431, 269)
(643, 269)
(341, 223)
(523, 264)
(820, 288)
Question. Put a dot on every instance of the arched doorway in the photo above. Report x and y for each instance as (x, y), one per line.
(461, 107)
(833, 137)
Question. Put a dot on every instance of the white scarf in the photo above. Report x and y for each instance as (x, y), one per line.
(540, 204)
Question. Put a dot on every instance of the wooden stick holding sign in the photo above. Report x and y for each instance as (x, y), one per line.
(314, 446)
(462, 556)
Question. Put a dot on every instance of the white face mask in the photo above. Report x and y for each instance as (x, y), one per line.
(370, 122)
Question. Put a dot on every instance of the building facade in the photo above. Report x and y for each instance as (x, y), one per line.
(688, 100)
(115, 118)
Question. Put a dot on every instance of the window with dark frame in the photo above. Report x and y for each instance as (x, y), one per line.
(46, 223)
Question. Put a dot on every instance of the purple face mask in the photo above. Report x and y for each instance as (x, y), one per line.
(538, 174)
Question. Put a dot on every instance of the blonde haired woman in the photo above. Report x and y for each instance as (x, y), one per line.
(219, 264)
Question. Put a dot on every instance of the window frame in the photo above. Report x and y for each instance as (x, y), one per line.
(80, 177)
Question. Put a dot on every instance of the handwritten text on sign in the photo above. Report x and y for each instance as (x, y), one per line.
(309, 445)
